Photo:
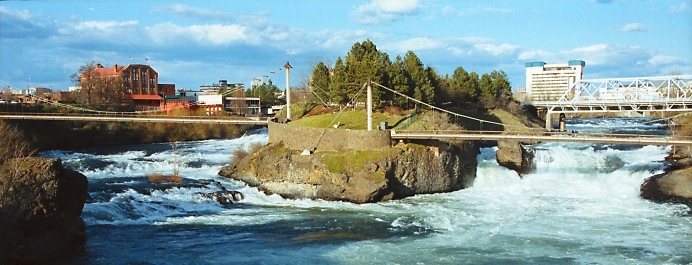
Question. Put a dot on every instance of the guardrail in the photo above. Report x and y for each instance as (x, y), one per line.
(128, 117)
(544, 136)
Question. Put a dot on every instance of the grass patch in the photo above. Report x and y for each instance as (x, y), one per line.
(356, 120)
(514, 123)
(354, 160)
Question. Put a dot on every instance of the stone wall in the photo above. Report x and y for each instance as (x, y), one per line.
(323, 139)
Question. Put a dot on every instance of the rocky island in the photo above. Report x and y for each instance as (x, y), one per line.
(353, 165)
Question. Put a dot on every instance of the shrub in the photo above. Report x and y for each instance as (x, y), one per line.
(160, 179)
(12, 143)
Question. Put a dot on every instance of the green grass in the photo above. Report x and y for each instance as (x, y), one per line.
(354, 160)
(356, 120)
(424, 120)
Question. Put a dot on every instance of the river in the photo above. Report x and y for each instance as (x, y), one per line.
(581, 206)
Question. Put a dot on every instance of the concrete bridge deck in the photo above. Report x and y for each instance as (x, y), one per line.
(395, 135)
(134, 118)
(544, 136)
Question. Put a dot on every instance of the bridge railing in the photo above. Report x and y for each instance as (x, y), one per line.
(629, 92)
(529, 134)
(123, 115)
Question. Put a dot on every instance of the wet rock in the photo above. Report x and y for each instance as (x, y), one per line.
(225, 197)
(40, 207)
(674, 186)
(515, 156)
(359, 176)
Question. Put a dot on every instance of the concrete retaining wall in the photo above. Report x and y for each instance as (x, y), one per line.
(301, 138)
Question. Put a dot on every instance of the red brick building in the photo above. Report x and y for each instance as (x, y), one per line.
(140, 83)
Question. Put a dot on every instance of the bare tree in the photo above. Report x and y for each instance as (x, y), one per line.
(86, 78)
(99, 89)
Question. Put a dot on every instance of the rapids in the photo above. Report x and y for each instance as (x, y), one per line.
(581, 206)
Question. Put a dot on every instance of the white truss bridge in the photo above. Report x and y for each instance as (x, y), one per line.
(639, 94)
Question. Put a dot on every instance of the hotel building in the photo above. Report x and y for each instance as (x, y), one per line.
(548, 82)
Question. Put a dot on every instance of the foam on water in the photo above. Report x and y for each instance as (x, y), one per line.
(581, 205)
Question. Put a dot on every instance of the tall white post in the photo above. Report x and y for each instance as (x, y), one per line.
(288, 67)
(369, 103)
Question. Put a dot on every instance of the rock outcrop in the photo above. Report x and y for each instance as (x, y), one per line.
(672, 186)
(359, 176)
(40, 207)
(515, 156)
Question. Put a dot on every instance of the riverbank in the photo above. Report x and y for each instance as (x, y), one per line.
(71, 135)
(674, 185)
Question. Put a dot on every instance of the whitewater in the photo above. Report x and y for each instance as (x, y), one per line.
(580, 206)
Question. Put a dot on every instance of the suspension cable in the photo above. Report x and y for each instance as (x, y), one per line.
(446, 111)
(302, 79)
(353, 99)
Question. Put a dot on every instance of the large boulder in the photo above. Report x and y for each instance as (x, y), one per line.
(672, 186)
(515, 156)
(359, 176)
(40, 207)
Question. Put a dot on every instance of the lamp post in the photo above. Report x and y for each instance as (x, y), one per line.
(288, 67)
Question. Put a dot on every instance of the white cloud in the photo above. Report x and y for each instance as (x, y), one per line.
(379, 11)
(414, 44)
(660, 60)
(633, 27)
(103, 26)
(496, 50)
(22, 24)
(537, 55)
(200, 35)
(679, 8)
(100, 34)
(192, 12)
(451, 11)
(479, 50)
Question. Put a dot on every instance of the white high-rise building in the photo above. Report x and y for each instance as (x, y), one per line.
(546, 82)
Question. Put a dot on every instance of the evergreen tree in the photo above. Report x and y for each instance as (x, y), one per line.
(266, 92)
(420, 83)
(464, 86)
(400, 82)
(320, 81)
(502, 86)
(364, 62)
(338, 87)
(434, 82)
(486, 87)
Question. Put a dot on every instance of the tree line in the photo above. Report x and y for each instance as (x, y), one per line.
(406, 75)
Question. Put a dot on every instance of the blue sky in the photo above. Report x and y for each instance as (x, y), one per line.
(192, 43)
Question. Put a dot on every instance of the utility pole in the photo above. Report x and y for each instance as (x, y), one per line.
(369, 103)
(288, 67)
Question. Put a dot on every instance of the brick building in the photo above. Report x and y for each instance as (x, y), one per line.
(140, 83)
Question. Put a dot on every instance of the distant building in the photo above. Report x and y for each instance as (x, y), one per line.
(520, 94)
(545, 82)
(223, 86)
(246, 106)
(166, 89)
